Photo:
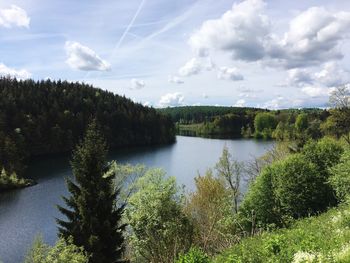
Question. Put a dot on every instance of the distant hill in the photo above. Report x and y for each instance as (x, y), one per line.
(222, 122)
(198, 114)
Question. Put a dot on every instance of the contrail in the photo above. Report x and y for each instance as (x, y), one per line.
(128, 28)
(126, 31)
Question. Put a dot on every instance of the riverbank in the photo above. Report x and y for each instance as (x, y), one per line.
(10, 182)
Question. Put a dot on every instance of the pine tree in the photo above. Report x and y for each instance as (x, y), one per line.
(93, 218)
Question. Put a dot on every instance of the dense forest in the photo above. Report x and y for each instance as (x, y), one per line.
(245, 122)
(45, 117)
(198, 114)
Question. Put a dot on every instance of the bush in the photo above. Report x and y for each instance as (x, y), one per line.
(210, 209)
(292, 188)
(259, 207)
(62, 252)
(324, 238)
(159, 229)
(298, 187)
(324, 153)
(286, 189)
(195, 255)
(340, 177)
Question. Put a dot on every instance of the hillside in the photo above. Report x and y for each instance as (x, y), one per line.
(222, 122)
(198, 114)
(45, 117)
(323, 238)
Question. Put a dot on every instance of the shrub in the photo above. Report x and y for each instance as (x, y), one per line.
(324, 153)
(194, 255)
(62, 252)
(299, 188)
(210, 208)
(293, 187)
(259, 207)
(159, 228)
(340, 177)
(322, 239)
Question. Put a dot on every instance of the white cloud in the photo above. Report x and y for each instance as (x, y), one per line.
(278, 103)
(14, 16)
(205, 96)
(313, 38)
(192, 67)
(241, 30)
(83, 58)
(315, 91)
(195, 66)
(245, 32)
(332, 75)
(175, 79)
(240, 103)
(137, 84)
(20, 74)
(172, 100)
(229, 74)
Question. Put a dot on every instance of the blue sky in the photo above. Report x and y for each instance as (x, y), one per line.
(271, 53)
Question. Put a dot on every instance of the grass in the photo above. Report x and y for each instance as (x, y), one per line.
(323, 238)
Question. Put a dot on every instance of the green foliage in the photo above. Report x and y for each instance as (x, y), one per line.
(293, 187)
(62, 252)
(44, 117)
(12, 181)
(324, 238)
(159, 228)
(194, 255)
(301, 123)
(340, 177)
(324, 153)
(298, 187)
(93, 218)
(210, 121)
(339, 122)
(259, 207)
(210, 209)
(264, 124)
(230, 171)
(200, 114)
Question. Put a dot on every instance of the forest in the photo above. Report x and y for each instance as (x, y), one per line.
(212, 121)
(49, 117)
(298, 194)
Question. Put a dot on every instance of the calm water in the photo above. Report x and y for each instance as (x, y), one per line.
(31, 211)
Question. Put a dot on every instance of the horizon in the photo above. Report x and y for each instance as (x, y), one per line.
(184, 53)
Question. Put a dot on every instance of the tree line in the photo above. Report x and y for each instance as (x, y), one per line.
(47, 117)
(236, 122)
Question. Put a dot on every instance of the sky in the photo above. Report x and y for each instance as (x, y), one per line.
(271, 54)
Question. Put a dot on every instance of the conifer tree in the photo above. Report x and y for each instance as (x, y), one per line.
(93, 218)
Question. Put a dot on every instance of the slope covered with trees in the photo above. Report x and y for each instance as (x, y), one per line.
(45, 117)
(224, 122)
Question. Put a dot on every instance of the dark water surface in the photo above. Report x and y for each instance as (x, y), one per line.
(31, 211)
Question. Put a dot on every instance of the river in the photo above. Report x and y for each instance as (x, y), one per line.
(31, 211)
